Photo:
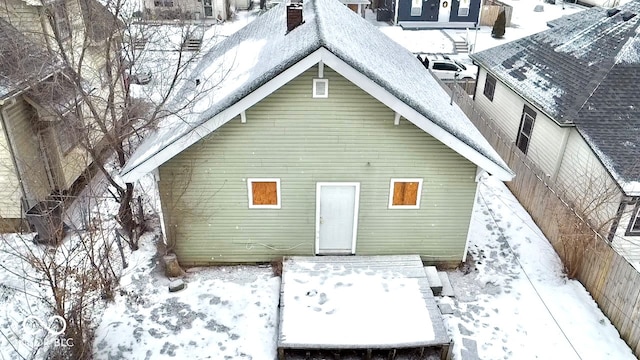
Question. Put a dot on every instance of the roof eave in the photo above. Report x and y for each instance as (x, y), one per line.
(523, 96)
(135, 170)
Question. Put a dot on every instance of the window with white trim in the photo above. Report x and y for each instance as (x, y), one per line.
(526, 129)
(463, 7)
(263, 193)
(320, 88)
(405, 193)
(634, 224)
(489, 87)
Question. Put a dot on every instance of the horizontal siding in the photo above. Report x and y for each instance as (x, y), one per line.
(19, 120)
(10, 192)
(546, 144)
(23, 17)
(349, 137)
(585, 179)
(73, 165)
(505, 109)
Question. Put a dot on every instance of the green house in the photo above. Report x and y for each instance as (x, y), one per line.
(310, 132)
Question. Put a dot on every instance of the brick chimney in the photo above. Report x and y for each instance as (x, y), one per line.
(294, 15)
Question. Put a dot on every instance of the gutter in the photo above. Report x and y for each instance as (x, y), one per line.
(3, 116)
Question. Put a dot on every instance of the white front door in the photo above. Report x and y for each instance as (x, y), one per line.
(336, 218)
(445, 10)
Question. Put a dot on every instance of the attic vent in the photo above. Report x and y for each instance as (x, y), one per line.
(626, 16)
(612, 12)
(320, 88)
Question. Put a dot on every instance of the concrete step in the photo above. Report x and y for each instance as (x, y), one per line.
(434, 280)
(192, 45)
(447, 289)
(461, 47)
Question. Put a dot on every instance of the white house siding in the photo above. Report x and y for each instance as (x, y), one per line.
(584, 179)
(348, 137)
(625, 245)
(191, 6)
(73, 165)
(26, 145)
(547, 139)
(23, 17)
(10, 192)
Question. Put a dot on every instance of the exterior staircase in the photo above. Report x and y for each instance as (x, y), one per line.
(192, 44)
(461, 46)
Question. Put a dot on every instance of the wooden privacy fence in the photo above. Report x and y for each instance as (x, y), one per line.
(587, 256)
(490, 11)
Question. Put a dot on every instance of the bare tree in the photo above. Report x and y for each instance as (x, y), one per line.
(85, 80)
(103, 59)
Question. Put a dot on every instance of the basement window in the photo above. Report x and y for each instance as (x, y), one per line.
(405, 193)
(263, 193)
(320, 88)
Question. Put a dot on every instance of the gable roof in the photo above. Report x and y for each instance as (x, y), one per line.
(22, 62)
(262, 56)
(584, 71)
(99, 22)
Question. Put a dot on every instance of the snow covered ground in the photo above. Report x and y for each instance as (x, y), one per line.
(513, 300)
(223, 313)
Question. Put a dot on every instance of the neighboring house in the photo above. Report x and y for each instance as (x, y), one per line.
(40, 154)
(314, 141)
(193, 9)
(436, 13)
(568, 99)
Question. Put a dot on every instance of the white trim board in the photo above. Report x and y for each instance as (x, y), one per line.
(392, 188)
(327, 58)
(250, 181)
(221, 118)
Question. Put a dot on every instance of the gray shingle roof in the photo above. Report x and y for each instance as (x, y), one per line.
(585, 70)
(22, 62)
(262, 50)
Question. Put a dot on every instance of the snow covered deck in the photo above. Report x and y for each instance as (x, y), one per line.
(357, 302)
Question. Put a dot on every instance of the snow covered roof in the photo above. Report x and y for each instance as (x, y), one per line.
(259, 58)
(22, 62)
(584, 71)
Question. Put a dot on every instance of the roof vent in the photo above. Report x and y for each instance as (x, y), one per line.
(320, 88)
(294, 15)
(612, 12)
(627, 15)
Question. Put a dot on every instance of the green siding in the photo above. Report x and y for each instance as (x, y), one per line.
(349, 137)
